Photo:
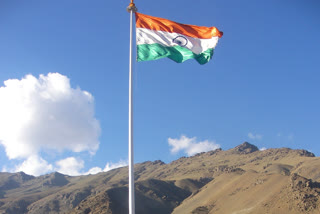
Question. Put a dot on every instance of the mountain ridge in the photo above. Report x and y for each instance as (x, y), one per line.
(243, 179)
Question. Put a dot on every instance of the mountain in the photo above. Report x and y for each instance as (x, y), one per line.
(237, 181)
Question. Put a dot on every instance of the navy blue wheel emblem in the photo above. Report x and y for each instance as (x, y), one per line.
(180, 40)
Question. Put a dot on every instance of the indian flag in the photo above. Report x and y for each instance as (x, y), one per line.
(158, 38)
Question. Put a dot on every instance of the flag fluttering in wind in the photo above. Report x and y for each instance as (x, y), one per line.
(158, 38)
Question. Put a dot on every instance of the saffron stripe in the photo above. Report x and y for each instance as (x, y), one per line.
(160, 24)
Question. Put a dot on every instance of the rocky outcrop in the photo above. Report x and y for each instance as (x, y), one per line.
(244, 148)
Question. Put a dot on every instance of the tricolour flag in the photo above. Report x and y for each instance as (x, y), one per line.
(158, 38)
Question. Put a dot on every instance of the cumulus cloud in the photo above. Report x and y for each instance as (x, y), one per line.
(254, 136)
(108, 167)
(93, 171)
(46, 113)
(34, 165)
(74, 166)
(190, 146)
(263, 148)
(70, 166)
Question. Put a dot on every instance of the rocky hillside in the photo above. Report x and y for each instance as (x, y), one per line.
(237, 181)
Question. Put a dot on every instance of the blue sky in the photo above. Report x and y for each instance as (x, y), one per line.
(262, 85)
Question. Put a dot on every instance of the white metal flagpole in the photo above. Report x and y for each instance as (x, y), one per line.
(131, 9)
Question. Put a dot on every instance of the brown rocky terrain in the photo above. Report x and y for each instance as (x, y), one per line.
(237, 181)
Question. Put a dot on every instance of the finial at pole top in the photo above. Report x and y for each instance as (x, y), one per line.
(132, 7)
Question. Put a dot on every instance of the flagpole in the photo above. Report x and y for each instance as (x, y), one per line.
(131, 9)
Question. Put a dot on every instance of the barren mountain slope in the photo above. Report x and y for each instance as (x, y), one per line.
(239, 180)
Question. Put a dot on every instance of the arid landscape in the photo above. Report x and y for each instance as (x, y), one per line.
(236, 181)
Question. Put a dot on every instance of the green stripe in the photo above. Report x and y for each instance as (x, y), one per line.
(179, 54)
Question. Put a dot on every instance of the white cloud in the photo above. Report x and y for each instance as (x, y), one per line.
(254, 136)
(93, 171)
(190, 146)
(263, 148)
(46, 113)
(34, 165)
(4, 169)
(70, 166)
(108, 167)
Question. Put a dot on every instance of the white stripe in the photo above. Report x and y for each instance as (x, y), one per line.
(196, 45)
